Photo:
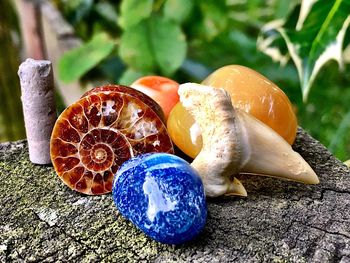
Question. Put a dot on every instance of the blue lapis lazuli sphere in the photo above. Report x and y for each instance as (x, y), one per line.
(162, 195)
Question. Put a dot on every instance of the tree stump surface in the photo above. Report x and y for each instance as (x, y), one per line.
(42, 220)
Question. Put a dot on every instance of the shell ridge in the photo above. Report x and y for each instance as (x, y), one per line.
(83, 178)
(71, 143)
(79, 132)
(98, 106)
(84, 113)
(59, 157)
(61, 177)
(89, 128)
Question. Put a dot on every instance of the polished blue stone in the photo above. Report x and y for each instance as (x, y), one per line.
(162, 195)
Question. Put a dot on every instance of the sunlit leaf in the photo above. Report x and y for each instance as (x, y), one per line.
(316, 38)
(136, 48)
(169, 44)
(347, 163)
(154, 43)
(347, 54)
(75, 63)
(178, 10)
(133, 11)
(271, 42)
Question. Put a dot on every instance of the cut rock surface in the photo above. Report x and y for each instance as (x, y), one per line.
(43, 220)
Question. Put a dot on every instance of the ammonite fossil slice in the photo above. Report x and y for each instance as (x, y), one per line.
(95, 135)
(132, 92)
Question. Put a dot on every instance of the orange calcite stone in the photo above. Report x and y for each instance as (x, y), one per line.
(250, 91)
(160, 89)
(180, 126)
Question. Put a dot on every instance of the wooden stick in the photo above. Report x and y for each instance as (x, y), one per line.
(30, 21)
(39, 107)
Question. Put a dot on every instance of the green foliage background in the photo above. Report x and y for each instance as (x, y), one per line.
(186, 40)
(11, 119)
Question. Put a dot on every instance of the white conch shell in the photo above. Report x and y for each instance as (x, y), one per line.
(235, 142)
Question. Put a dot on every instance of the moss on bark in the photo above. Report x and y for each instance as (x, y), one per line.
(42, 220)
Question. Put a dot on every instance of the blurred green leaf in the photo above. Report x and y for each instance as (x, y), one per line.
(111, 69)
(129, 76)
(75, 63)
(230, 38)
(337, 142)
(154, 43)
(78, 9)
(177, 10)
(271, 43)
(282, 8)
(106, 10)
(316, 38)
(169, 44)
(215, 19)
(136, 49)
(133, 11)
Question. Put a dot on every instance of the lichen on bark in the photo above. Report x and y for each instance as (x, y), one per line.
(43, 220)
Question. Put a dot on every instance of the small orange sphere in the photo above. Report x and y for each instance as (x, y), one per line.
(249, 91)
(161, 89)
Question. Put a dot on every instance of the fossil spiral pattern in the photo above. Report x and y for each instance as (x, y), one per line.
(132, 92)
(96, 134)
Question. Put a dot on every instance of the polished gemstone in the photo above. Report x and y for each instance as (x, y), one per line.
(162, 195)
(161, 89)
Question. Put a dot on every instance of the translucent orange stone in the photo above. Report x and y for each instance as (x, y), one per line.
(249, 91)
(180, 125)
(160, 89)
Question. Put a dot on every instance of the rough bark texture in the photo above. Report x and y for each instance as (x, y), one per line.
(42, 220)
